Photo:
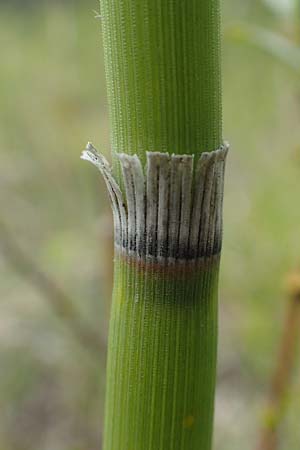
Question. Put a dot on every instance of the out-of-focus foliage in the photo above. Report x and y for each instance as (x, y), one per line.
(281, 43)
(274, 44)
(283, 7)
(53, 100)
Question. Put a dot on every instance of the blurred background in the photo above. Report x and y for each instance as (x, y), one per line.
(55, 221)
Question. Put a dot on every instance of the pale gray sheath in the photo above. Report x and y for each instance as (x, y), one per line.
(172, 210)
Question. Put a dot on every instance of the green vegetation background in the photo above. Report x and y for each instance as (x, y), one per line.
(53, 99)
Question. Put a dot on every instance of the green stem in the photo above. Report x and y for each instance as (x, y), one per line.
(162, 60)
(162, 359)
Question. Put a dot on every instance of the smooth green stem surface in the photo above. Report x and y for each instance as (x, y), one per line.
(162, 358)
(162, 60)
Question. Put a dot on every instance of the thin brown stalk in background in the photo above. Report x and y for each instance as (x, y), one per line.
(281, 379)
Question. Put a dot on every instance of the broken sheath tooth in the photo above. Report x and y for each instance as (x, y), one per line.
(170, 212)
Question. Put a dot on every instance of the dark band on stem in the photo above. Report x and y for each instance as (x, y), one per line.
(170, 212)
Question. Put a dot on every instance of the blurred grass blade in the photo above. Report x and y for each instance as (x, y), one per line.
(278, 47)
(61, 303)
(285, 7)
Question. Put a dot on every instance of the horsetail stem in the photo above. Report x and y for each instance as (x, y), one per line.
(162, 60)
